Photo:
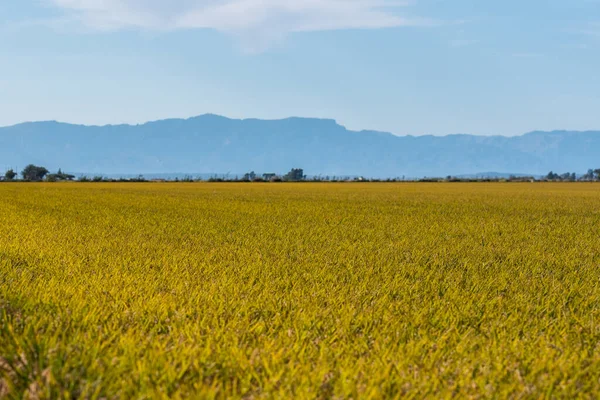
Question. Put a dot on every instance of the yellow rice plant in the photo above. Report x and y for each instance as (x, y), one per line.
(305, 291)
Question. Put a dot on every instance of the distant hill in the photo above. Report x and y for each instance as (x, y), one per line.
(213, 144)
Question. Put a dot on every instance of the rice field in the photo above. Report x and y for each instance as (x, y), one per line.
(304, 291)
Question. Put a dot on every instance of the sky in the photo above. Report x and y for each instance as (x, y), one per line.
(414, 67)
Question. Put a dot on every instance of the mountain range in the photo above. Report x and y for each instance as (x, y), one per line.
(214, 144)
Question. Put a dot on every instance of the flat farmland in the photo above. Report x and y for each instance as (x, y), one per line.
(202, 290)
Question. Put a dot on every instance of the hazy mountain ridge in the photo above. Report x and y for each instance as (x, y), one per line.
(215, 144)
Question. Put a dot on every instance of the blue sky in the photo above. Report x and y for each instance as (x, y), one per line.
(407, 67)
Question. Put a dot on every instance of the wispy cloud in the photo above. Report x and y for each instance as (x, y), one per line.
(65, 23)
(463, 42)
(265, 19)
(527, 55)
(591, 30)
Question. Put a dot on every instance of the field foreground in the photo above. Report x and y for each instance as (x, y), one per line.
(299, 290)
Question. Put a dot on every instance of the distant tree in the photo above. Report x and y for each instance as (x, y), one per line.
(249, 177)
(295, 175)
(597, 173)
(566, 176)
(552, 176)
(589, 175)
(10, 175)
(60, 176)
(140, 178)
(34, 173)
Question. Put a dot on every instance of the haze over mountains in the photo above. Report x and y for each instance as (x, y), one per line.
(215, 144)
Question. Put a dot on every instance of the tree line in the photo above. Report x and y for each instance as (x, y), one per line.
(590, 175)
(34, 173)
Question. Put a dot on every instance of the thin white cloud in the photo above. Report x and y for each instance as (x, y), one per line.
(463, 42)
(266, 19)
(527, 55)
(590, 29)
(593, 30)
